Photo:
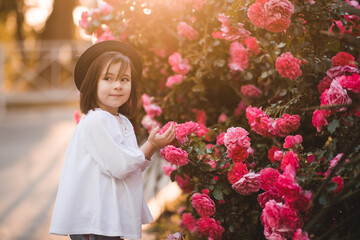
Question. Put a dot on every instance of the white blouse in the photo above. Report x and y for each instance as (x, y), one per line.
(101, 188)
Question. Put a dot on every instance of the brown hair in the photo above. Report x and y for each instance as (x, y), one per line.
(88, 89)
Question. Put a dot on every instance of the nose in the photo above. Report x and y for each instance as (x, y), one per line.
(117, 84)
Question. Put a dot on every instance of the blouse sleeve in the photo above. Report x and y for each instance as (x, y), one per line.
(102, 141)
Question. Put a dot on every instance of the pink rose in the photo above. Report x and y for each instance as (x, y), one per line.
(333, 163)
(278, 155)
(220, 139)
(152, 110)
(290, 158)
(84, 21)
(268, 178)
(166, 127)
(200, 116)
(339, 182)
(351, 82)
(184, 129)
(290, 220)
(240, 108)
(209, 227)
(287, 186)
(203, 204)
(230, 32)
(236, 136)
(278, 15)
(262, 2)
(273, 15)
(342, 58)
(271, 214)
(202, 131)
(300, 235)
(280, 219)
(189, 222)
(239, 57)
(288, 66)
(237, 172)
(319, 119)
(303, 203)
(105, 35)
(353, 3)
(161, 52)
(341, 70)
(260, 122)
(335, 95)
(174, 80)
(179, 65)
(147, 122)
(292, 141)
(145, 99)
(222, 118)
(168, 168)
(271, 194)
(256, 14)
(251, 91)
(184, 183)
(174, 155)
(184, 30)
(286, 124)
(238, 154)
(248, 184)
(324, 84)
(252, 45)
(271, 153)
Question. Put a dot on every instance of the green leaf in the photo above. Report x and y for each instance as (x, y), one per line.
(331, 187)
(333, 125)
(323, 200)
(210, 187)
(218, 195)
(350, 120)
(201, 148)
(172, 176)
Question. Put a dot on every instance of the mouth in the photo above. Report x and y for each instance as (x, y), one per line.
(116, 95)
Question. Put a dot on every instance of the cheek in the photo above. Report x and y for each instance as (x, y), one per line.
(129, 89)
(101, 88)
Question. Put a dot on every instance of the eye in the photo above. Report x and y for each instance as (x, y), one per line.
(107, 78)
(125, 79)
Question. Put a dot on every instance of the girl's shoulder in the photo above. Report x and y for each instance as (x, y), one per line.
(97, 116)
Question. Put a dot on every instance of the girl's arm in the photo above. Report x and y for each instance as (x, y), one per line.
(156, 141)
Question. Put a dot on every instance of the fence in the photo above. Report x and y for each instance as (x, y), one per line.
(38, 72)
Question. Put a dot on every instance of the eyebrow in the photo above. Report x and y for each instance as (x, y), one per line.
(112, 74)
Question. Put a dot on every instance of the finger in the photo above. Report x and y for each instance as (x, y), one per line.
(154, 131)
(172, 136)
(168, 131)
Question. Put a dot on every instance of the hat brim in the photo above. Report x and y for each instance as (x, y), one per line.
(96, 50)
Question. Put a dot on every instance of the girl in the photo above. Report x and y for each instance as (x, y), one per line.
(100, 194)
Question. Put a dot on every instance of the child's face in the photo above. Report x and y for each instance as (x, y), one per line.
(113, 90)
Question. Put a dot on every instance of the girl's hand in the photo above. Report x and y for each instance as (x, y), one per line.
(160, 141)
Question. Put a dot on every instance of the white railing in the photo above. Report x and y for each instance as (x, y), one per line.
(38, 71)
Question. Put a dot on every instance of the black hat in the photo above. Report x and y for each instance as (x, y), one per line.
(96, 50)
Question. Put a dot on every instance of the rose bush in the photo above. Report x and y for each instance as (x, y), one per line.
(265, 98)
